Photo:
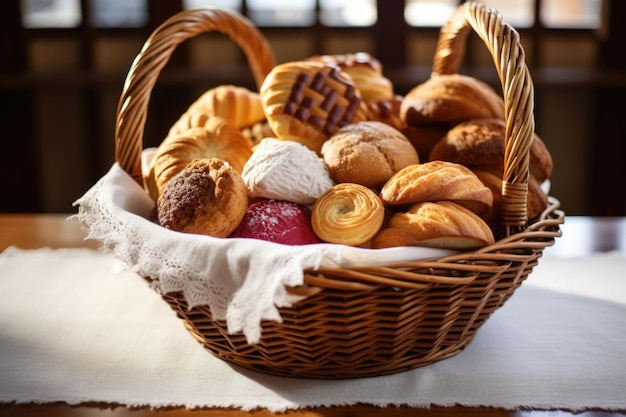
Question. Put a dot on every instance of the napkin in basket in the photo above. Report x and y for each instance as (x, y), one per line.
(243, 281)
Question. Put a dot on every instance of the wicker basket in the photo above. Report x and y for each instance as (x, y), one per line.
(368, 321)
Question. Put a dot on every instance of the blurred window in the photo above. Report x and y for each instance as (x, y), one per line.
(282, 12)
(571, 13)
(518, 13)
(222, 4)
(119, 13)
(348, 12)
(429, 13)
(333, 13)
(51, 13)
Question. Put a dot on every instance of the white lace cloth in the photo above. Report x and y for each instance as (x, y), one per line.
(242, 280)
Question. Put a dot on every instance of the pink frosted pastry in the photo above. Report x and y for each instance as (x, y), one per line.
(279, 222)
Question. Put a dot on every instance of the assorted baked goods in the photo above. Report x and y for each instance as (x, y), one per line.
(327, 152)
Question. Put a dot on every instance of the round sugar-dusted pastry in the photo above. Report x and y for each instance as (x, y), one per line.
(348, 213)
(307, 101)
(277, 221)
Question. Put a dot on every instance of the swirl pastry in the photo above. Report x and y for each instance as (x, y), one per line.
(207, 197)
(308, 101)
(442, 225)
(217, 139)
(349, 214)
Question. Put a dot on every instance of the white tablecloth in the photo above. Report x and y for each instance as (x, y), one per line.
(76, 328)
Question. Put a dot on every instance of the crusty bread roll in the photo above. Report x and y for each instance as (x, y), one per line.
(307, 101)
(443, 224)
(437, 181)
(366, 72)
(216, 139)
(450, 98)
(479, 144)
(536, 203)
(238, 106)
(367, 153)
(207, 197)
(348, 214)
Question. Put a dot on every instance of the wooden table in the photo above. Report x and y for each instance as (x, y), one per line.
(581, 235)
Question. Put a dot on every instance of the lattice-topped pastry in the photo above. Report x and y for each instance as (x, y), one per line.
(308, 101)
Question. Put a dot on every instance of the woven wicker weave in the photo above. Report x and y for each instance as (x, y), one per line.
(367, 321)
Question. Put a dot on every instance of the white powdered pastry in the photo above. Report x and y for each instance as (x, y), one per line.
(286, 170)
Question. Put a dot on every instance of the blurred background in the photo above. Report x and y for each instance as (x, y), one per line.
(63, 64)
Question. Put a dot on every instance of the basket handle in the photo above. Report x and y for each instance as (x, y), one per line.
(503, 42)
(132, 107)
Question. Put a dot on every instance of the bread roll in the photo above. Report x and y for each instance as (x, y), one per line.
(479, 144)
(348, 214)
(437, 181)
(367, 153)
(442, 224)
(216, 139)
(207, 197)
(451, 98)
(238, 106)
(308, 101)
